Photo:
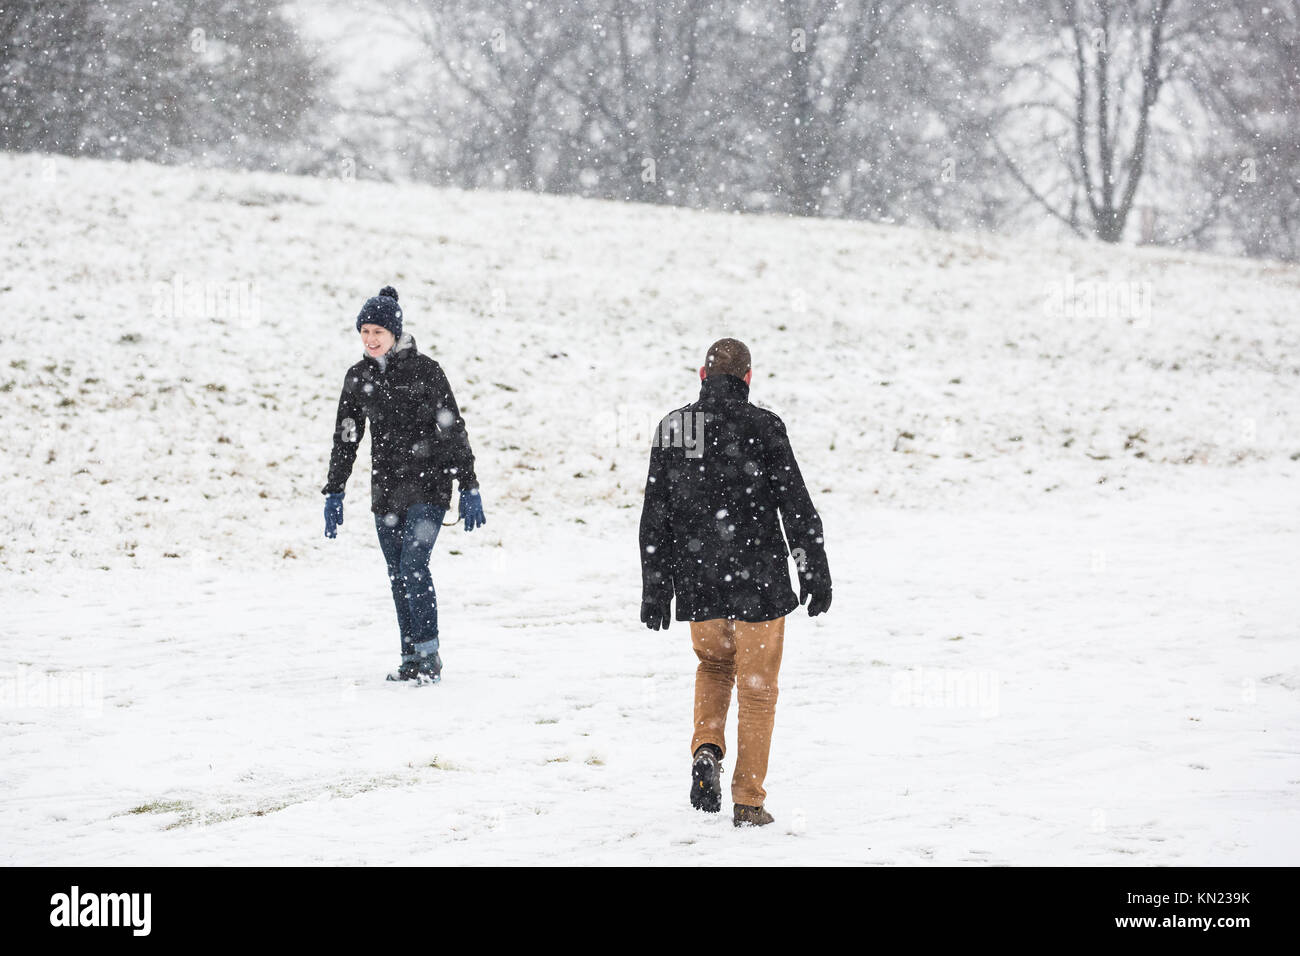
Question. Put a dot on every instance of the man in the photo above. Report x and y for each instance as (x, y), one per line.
(722, 480)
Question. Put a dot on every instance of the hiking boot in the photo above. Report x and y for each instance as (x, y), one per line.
(407, 671)
(706, 790)
(428, 670)
(744, 816)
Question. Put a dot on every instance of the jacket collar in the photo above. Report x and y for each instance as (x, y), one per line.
(724, 388)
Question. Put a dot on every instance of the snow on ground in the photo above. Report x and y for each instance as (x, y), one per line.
(1058, 483)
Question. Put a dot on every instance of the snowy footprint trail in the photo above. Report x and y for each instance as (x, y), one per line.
(992, 688)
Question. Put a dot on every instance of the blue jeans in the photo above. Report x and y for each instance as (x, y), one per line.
(407, 542)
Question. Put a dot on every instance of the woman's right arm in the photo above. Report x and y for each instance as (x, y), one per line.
(349, 429)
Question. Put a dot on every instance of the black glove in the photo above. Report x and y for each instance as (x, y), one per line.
(821, 598)
(656, 614)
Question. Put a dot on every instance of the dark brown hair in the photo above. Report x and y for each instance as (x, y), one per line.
(727, 357)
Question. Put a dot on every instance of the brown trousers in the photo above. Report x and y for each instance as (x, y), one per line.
(746, 656)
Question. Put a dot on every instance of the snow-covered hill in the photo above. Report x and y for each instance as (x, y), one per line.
(178, 340)
(1059, 485)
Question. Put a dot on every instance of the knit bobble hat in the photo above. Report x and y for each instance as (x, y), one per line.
(382, 310)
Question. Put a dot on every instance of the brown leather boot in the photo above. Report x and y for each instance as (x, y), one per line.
(743, 816)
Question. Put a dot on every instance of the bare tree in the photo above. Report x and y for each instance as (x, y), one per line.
(946, 112)
(1090, 83)
(819, 62)
(636, 90)
(915, 142)
(222, 81)
(1248, 78)
(500, 57)
(46, 49)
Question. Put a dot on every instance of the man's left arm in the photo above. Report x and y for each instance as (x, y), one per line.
(803, 525)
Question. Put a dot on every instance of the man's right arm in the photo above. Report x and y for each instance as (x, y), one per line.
(656, 549)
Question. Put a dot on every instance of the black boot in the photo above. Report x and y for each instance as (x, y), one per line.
(706, 788)
(428, 670)
(407, 671)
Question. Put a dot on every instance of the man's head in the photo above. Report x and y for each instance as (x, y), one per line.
(727, 357)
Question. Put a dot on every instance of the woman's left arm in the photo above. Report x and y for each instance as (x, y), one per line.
(452, 434)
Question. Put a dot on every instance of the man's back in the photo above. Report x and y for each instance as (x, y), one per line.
(722, 480)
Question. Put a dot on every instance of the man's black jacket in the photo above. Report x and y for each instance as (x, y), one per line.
(722, 480)
(418, 441)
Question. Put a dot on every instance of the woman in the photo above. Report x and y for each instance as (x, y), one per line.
(417, 445)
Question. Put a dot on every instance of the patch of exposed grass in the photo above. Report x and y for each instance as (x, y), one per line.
(160, 806)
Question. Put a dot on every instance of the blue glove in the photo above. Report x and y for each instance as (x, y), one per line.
(333, 514)
(471, 509)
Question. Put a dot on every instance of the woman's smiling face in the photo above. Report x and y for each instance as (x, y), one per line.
(376, 340)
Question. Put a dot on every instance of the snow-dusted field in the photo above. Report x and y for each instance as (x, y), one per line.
(1059, 485)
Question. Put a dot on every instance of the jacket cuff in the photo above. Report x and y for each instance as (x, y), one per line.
(656, 587)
